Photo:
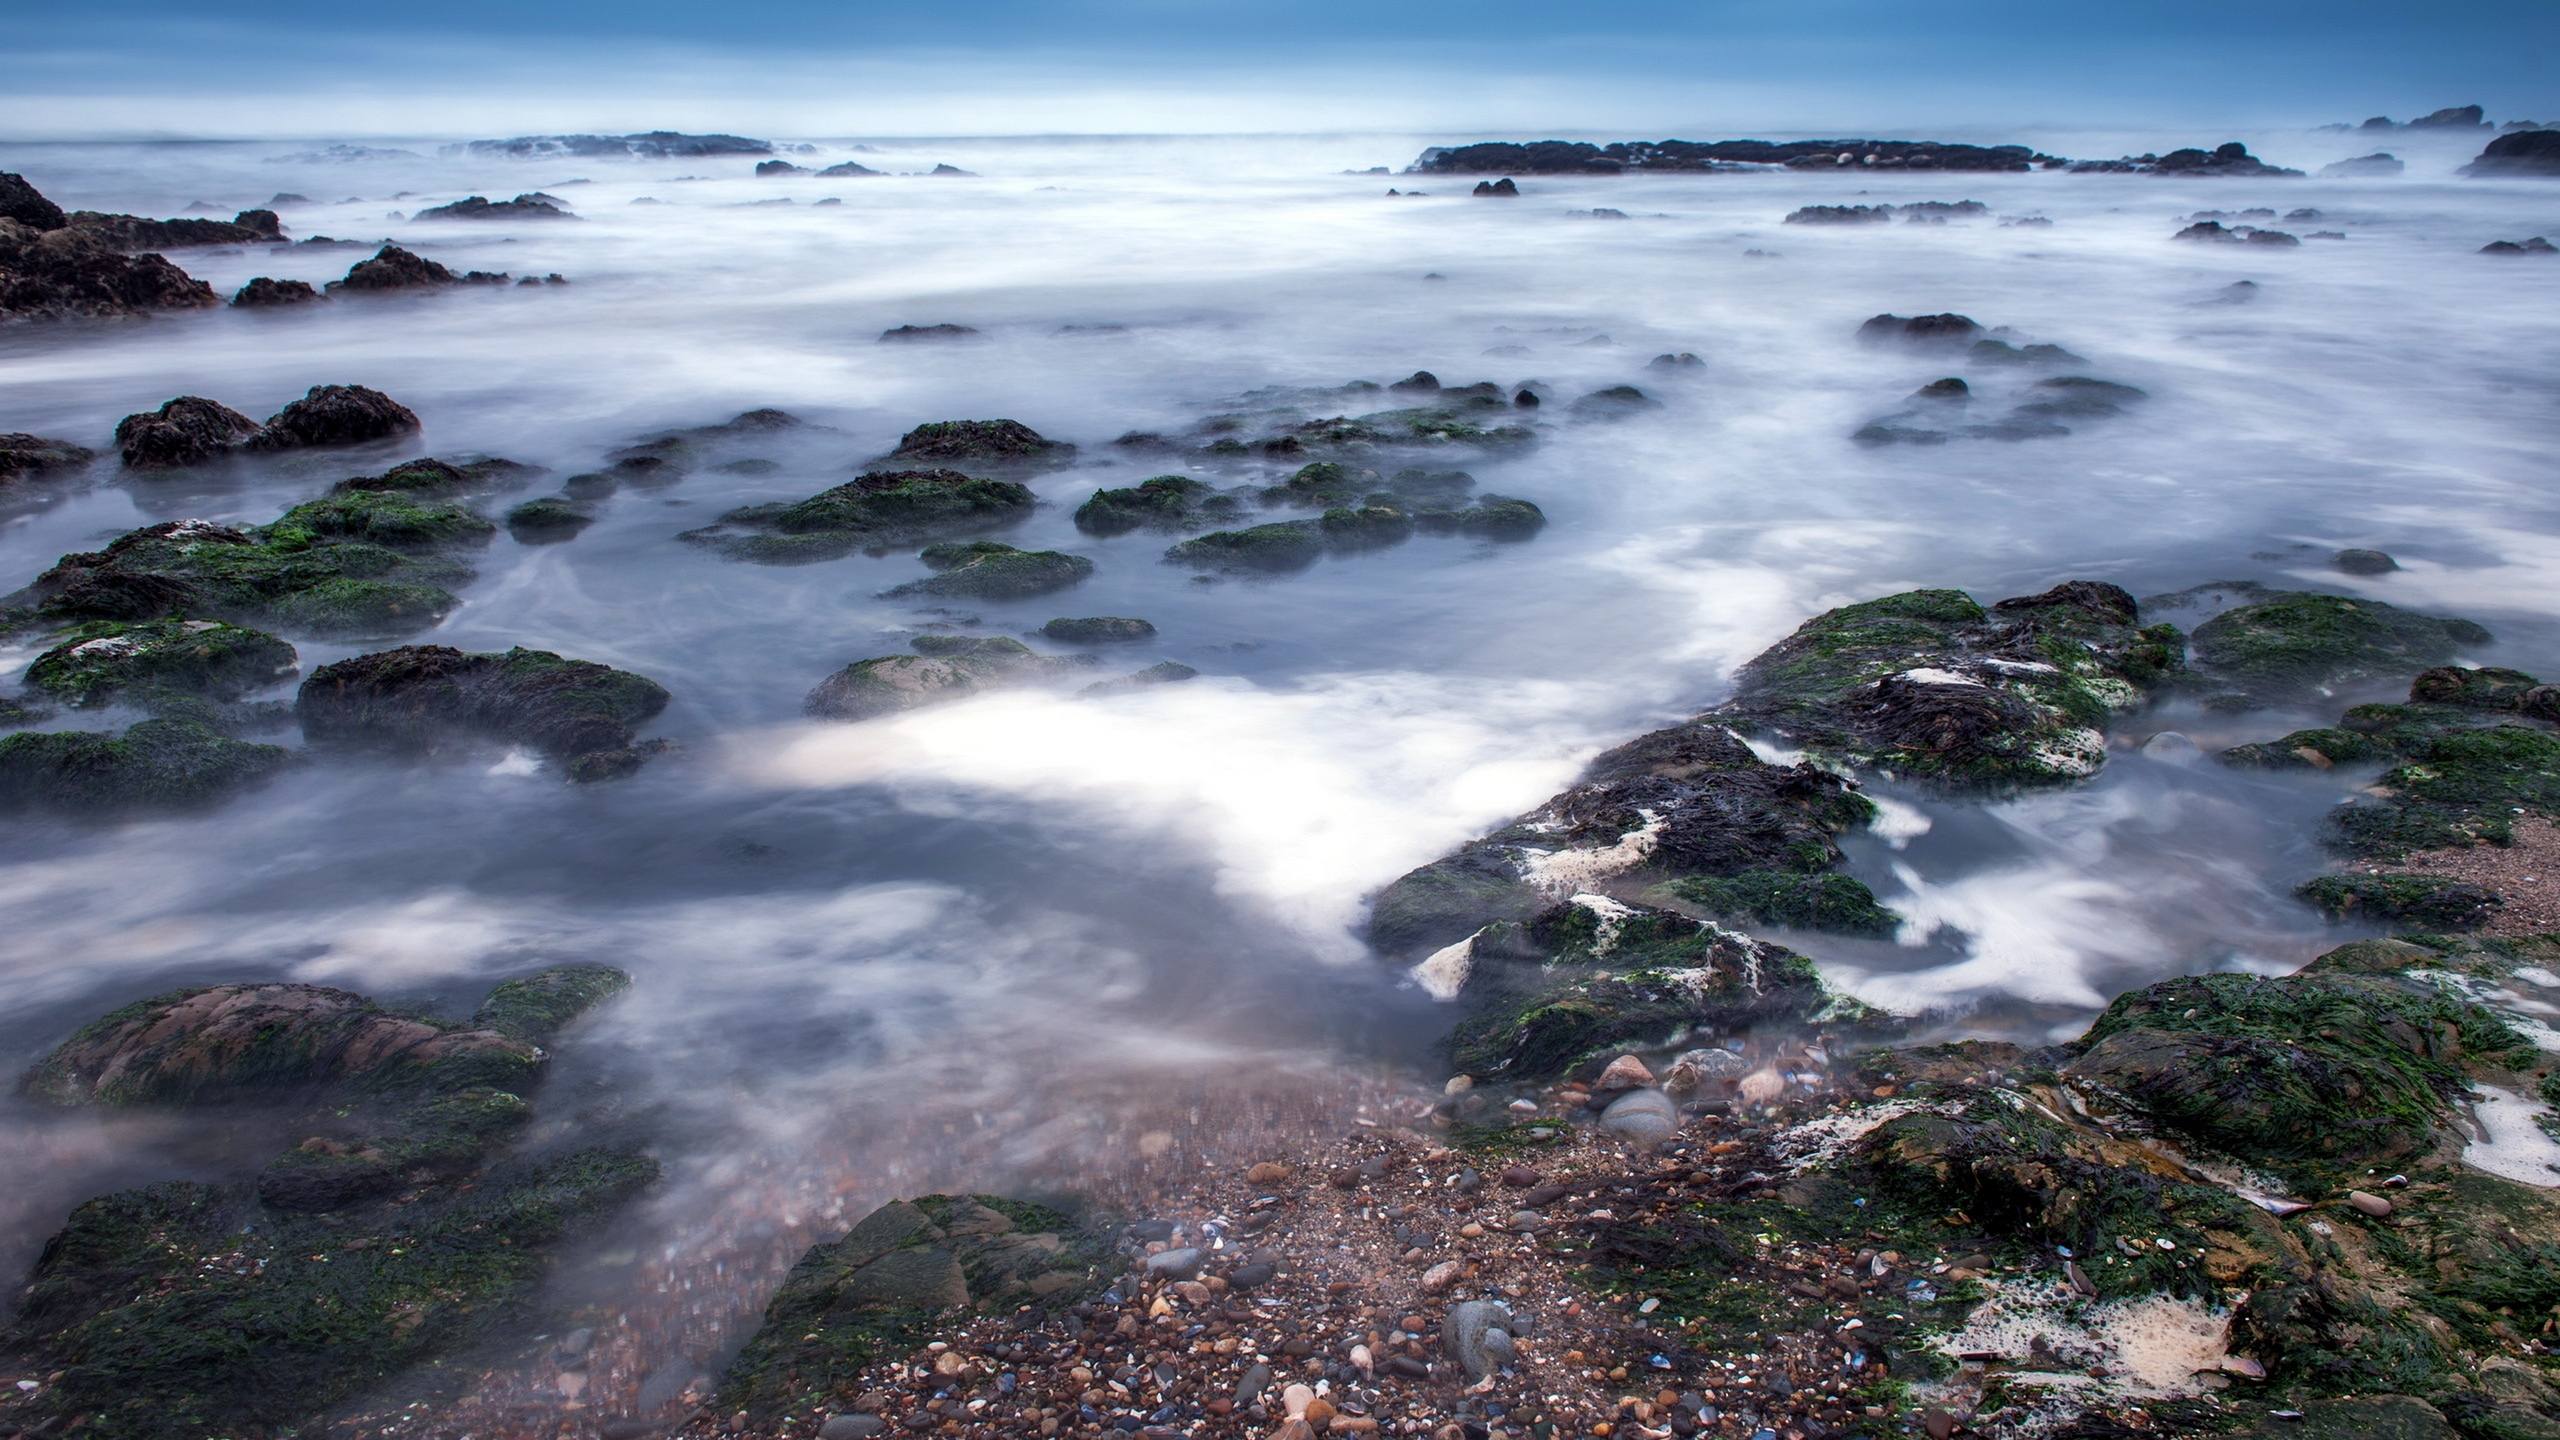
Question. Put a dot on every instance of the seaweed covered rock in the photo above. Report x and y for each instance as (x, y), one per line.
(335, 415)
(2472, 753)
(426, 697)
(985, 570)
(1275, 548)
(945, 668)
(548, 521)
(396, 1232)
(1163, 672)
(986, 444)
(879, 510)
(1943, 411)
(52, 274)
(186, 431)
(1098, 630)
(1166, 502)
(107, 662)
(1687, 803)
(1578, 980)
(360, 561)
(2275, 646)
(906, 1265)
(23, 456)
(158, 765)
(1932, 685)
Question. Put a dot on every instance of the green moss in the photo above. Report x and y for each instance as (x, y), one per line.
(2293, 644)
(1367, 527)
(2430, 900)
(539, 1006)
(984, 570)
(1833, 902)
(1166, 502)
(386, 518)
(1002, 442)
(163, 764)
(1266, 549)
(105, 661)
(1098, 630)
(880, 509)
(547, 520)
(316, 571)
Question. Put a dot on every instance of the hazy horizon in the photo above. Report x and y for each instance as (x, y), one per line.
(1006, 68)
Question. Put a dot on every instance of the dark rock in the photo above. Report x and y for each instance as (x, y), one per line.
(393, 268)
(1166, 502)
(1098, 630)
(2229, 159)
(47, 274)
(985, 570)
(329, 415)
(186, 431)
(1505, 188)
(158, 765)
(2535, 246)
(425, 697)
(649, 145)
(23, 455)
(481, 207)
(845, 169)
(1920, 329)
(1163, 672)
(548, 521)
(2378, 163)
(878, 510)
(2525, 153)
(2279, 645)
(770, 168)
(25, 204)
(1561, 157)
(875, 1293)
(265, 292)
(989, 443)
(2364, 562)
(107, 662)
(929, 332)
(134, 233)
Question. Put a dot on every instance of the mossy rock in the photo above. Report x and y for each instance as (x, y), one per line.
(1098, 630)
(1691, 800)
(985, 570)
(1165, 502)
(1364, 527)
(1271, 549)
(425, 697)
(877, 1292)
(1837, 903)
(1590, 976)
(548, 521)
(438, 479)
(946, 668)
(999, 444)
(2314, 1069)
(310, 573)
(2433, 902)
(157, 765)
(107, 661)
(2280, 646)
(1932, 685)
(877, 511)
(186, 1308)
(1323, 484)
(1163, 672)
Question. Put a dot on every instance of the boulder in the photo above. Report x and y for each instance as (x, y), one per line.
(186, 431)
(23, 456)
(480, 207)
(159, 765)
(2525, 154)
(879, 510)
(2378, 163)
(427, 697)
(263, 292)
(1005, 444)
(985, 570)
(51, 274)
(111, 662)
(1098, 630)
(944, 669)
(25, 204)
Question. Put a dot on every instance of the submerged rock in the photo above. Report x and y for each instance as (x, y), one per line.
(2229, 159)
(1166, 502)
(425, 697)
(393, 268)
(879, 510)
(2280, 645)
(548, 521)
(1163, 672)
(952, 670)
(480, 207)
(1943, 329)
(111, 662)
(985, 570)
(158, 765)
(877, 1292)
(2378, 163)
(23, 455)
(396, 1233)
(1098, 630)
(910, 333)
(263, 293)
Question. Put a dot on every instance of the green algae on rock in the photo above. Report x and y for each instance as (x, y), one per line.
(1166, 502)
(1931, 685)
(986, 570)
(2282, 645)
(874, 1293)
(164, 764)
(549, 520)
(946, 668)
(108, 661)
(394, 1235)
(424, 697)
(881, 509)
(1692, 800)
(987, 444)
(1098, 630)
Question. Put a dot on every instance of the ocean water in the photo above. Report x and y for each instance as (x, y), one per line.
(1018, 935)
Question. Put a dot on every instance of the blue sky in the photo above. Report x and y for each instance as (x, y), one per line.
(1010, 66)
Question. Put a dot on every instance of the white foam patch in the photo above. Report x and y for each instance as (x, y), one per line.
(1821, 1140)
(2511, 1143)
(1443, 973)
(2017, 920)
(1931, 675)
(2156, 1346)
(517, 762)
(2516, 1010)
(1568, 872)
(2536, 975)
(1898, 822)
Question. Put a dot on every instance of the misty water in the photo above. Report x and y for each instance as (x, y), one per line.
(1007, 937)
